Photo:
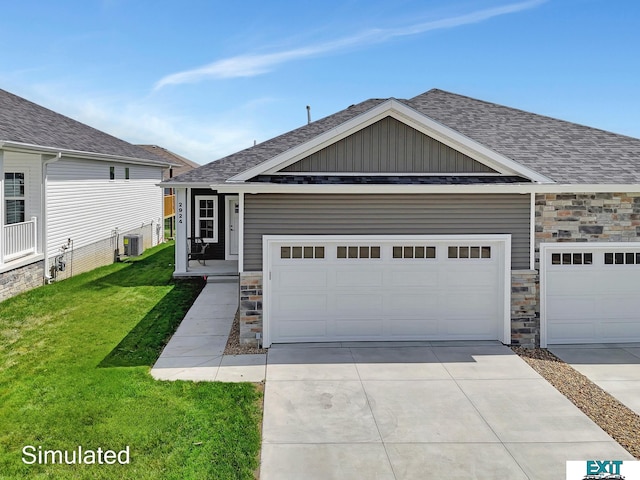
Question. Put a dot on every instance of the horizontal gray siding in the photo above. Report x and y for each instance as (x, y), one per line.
(280, 214)
(388, 146)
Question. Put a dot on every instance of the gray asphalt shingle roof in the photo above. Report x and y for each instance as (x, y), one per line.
(26, 122)
(562, 151)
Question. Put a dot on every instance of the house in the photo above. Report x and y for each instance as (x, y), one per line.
(180, 165)
(70, 195)
(440, 217)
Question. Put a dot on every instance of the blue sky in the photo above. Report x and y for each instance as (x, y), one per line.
(207, 78)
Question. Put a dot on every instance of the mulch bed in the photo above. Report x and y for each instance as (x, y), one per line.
(234, 347)
(620, 422)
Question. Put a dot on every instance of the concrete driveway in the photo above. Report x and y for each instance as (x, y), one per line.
(613, 367)
(418, 410)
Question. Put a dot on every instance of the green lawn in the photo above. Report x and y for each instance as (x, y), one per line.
(74, 371)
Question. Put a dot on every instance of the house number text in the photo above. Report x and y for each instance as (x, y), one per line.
(180, 210)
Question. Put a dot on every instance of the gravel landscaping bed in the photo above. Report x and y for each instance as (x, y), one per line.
(234, 347)
(620, 422)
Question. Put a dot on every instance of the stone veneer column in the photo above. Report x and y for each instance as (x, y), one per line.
(525, 314)
(250, 307)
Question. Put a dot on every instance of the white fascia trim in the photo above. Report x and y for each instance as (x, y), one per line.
(29, 148)
(170, 184)
(386, 174)
(255, 188)
(523, 188)
(406, 115)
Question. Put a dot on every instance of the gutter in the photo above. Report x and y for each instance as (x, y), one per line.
(44, 220)
(31, 148)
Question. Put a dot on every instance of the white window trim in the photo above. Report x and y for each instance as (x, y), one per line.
(24, 198)
(197, 217)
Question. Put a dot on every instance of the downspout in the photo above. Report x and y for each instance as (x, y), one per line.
(44, 222)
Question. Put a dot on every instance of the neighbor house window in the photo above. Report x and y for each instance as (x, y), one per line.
(112, 173)
(126, 173)
(14, 198)
(207, 217)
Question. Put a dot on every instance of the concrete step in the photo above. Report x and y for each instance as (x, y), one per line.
(223, 279)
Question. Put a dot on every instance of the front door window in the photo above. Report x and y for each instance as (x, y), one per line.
(207, 217)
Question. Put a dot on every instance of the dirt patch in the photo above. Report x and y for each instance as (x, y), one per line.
(620, 422)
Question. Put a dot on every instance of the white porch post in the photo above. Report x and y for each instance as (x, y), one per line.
(182, 220)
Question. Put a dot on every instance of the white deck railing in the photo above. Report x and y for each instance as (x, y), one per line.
(19, 240)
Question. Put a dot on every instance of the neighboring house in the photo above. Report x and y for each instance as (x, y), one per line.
(180, 166)
(69, 195)
(440, 217)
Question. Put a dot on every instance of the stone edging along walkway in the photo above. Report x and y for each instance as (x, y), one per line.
(620, 422)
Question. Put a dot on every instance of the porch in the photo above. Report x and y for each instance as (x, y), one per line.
(19, 240)
(211, 268)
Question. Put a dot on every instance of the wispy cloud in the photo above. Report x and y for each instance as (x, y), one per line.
(251, 65)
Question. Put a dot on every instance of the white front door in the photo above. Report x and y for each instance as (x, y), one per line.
(590, 293)
(320, 289)
(233, 218)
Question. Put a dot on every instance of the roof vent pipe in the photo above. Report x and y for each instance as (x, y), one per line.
(308, 114)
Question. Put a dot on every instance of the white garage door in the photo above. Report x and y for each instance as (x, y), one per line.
(591, 293)
(368, 288)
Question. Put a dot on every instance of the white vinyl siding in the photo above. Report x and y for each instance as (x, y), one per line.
(85, 206)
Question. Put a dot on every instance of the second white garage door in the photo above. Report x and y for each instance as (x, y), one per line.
(590, 293)
(320, 289)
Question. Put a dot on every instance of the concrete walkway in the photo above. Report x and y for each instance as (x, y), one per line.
(431, 410)
(195, 352)
(613, 367)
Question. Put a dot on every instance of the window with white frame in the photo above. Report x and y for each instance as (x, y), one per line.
(207, 217)
(14, 197)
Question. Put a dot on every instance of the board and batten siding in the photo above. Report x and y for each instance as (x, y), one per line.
(85, 206)
(388, 146)
(428, 214)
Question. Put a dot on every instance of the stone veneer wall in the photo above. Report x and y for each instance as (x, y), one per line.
(21, 279)
(525, 312)
(586, 217)
(250, 307)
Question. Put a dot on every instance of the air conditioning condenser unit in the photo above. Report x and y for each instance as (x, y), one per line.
(133, 245)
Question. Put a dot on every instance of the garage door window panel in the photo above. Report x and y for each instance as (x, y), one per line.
(622, 258)
(469, 252)
(410, 252)
(358, 252)
(299, 252)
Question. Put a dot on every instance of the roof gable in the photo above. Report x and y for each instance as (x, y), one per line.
(403, 113)
(388, 146)
(28, 125)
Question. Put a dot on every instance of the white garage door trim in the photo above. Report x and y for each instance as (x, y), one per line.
(546, 251)
(268, 241)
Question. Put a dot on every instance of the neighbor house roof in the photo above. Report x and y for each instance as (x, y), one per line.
(564, 152)
(24, 122)
(180, 164)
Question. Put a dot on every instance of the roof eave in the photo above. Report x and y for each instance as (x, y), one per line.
(62, 152)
